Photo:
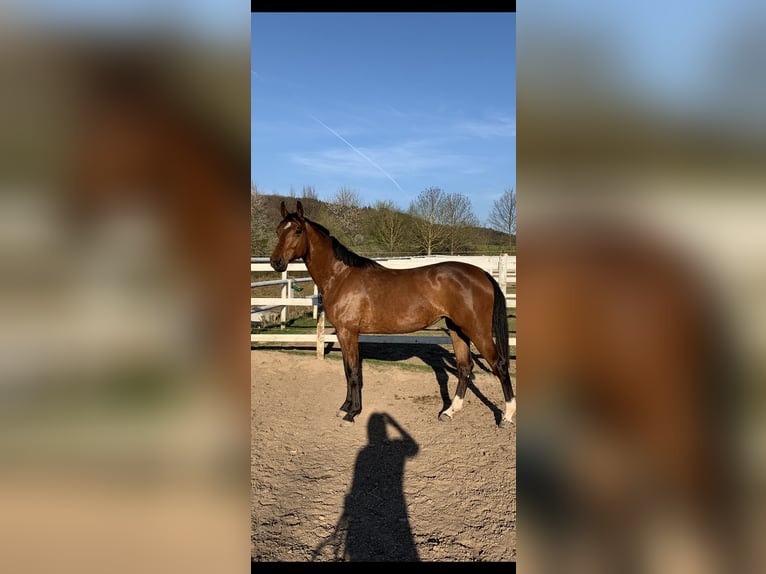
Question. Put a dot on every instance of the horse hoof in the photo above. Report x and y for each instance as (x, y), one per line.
(445, 418)
(346, 423)
(340, 413)
(505, 424)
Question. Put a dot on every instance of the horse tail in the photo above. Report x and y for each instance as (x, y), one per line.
(499, 322)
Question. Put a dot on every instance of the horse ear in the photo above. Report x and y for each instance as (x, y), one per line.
(283, 209)
(299, 209)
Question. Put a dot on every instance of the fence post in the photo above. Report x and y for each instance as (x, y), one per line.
(285, 291)
(320, 331)
(315, 307)
(502, 272)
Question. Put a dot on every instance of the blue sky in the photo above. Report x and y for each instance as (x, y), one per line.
(197, 20)
(387, 104)
(700, 61)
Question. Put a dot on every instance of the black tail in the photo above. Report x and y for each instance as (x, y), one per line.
(500, 322)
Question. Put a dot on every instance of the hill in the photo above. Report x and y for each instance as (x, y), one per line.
(368, 230)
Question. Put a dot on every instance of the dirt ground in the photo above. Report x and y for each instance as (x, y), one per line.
(398, 485)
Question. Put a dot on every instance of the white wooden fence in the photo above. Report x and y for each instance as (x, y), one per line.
(502, 267)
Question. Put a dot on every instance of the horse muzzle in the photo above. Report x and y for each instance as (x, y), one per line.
(279, 263)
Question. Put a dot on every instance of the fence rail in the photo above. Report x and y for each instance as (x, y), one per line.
(503, 268)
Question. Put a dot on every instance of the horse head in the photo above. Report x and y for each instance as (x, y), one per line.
(292, 243)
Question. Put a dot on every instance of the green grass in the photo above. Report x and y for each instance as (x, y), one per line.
(295, 325)
(338, 357)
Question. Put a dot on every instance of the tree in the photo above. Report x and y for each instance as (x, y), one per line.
(308, 192)
(458, 220)
(260, 234)
(503, 215)
(346, 209)
(311, 204)
(428, 212)
(388, 227)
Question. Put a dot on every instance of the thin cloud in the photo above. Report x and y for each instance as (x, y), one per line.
(410, 158)
(498, 126)
(357, 151)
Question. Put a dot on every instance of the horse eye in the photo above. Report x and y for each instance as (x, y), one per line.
(298, 231)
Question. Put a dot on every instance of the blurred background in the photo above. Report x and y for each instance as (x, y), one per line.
(124, 371)
(124, 361)
(642, 280)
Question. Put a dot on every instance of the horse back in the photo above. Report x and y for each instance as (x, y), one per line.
(384, 300)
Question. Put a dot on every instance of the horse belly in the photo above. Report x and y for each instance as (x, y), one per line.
(398, 317)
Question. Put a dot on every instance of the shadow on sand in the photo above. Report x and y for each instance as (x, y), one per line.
(443, 363)
(375, 525)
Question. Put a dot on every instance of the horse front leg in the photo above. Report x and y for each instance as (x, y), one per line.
(352, 365)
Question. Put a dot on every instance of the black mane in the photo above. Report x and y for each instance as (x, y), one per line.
(343, 253)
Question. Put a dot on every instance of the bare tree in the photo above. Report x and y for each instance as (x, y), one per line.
(459, 218)
(388, 227)
(260, 236)
(345, 208)
(311, 204)
(428, 212)
(502, 218)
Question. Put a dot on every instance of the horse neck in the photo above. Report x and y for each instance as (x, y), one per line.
(321, 262)
(121, 147)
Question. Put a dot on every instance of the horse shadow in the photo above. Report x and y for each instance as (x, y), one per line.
(441, 360)
(374, 525)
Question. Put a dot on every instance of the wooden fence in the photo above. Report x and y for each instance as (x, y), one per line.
(502, 267)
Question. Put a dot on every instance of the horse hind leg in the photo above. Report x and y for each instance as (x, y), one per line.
(462, 350)
(500, 367)
(510, 400)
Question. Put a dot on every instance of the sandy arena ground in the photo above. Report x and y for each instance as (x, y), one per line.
(398, 484)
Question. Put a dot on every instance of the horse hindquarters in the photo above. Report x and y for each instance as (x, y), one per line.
(488, 319)
(502, 363)
(492, 342)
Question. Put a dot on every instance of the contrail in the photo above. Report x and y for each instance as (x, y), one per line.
(345, 141)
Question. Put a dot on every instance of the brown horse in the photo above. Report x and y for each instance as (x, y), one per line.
(628, 372)
(141, 148)
(361, 296)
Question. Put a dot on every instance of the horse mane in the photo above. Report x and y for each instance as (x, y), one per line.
(341, 252)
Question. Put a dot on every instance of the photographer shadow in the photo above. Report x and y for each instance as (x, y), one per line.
(375, 524)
